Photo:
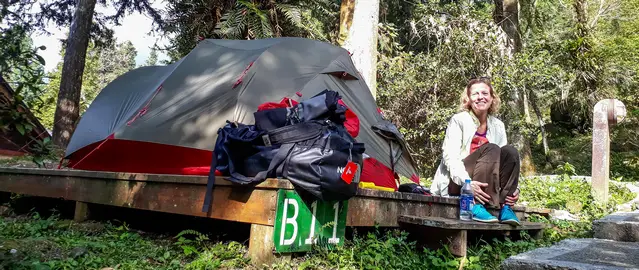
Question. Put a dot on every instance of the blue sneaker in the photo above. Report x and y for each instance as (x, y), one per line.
(507, 216)
(482, 215)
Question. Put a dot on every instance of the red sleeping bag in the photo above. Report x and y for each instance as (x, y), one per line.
(377, 173)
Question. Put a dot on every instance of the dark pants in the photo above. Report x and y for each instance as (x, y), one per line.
(499, 167)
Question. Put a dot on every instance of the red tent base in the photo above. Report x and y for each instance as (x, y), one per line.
(117, 155)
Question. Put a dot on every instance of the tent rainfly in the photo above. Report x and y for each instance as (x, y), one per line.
(164, 119)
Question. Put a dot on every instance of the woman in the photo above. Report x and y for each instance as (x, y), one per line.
(475, 147)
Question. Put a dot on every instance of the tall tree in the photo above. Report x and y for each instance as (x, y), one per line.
(506, 15)
(153, 58)
(358, 34)
(81, 29)
(102, 65)
(68, 109)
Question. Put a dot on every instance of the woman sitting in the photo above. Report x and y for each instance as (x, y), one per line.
(475, 147)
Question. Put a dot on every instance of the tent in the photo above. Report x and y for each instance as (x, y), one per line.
(164, 119)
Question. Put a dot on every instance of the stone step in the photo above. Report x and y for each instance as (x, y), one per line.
(621, 226)
(578, 254)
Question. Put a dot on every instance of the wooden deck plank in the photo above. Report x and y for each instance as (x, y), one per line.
(141, 177)
(456, 224)
(255, 206)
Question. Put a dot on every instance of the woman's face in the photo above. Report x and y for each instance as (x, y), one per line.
(480, 98)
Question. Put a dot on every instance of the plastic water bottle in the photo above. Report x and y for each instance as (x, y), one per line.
(466, 201)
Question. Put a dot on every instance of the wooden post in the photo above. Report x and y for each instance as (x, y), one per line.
(457, 242)
(607, 112)
(81, 212)
(261, 244)
(537, 234)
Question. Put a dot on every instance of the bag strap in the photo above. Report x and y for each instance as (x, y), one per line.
(294, 133)
(210, 184)
(279, 157)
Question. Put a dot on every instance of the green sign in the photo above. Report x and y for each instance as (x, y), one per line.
(298, 225)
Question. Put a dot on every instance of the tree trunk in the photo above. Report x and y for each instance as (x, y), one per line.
(506, 15)
(542, 124)
(526, 107)
(68, 107)
(358, 34)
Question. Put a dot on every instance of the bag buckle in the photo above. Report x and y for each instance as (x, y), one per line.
(267, 140)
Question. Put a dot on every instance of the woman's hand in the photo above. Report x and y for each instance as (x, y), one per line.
(480, 195)
(511, 200)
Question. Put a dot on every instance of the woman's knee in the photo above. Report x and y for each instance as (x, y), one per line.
(510, 151)
(492, 147)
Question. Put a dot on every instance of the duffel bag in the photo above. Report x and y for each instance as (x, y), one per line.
(239, 150)
(328, 167)
(318, 157)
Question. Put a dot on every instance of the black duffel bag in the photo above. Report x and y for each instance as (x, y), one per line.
(318, 157)
(327, 167)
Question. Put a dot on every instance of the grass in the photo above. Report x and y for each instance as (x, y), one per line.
(53, 243)
(33, 242)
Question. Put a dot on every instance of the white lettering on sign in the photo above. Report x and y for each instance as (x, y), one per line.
(291, 221)
(340, 170)
(334, 239)
(310, 239)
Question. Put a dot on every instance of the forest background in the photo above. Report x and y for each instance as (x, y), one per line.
(550, 61)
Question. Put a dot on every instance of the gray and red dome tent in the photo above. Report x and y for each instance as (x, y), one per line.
(164, 119)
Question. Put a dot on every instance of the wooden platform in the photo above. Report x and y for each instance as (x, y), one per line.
(185, 195)
(454, 232)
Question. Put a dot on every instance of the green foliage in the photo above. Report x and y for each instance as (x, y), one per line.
(552, 82)
(43, 150)
(102, 66)
(220, 255)
(490, 254)
(189, 245)
(21, 66)
(571, 194)
(244, 19)
(51, 243)
(153, 58)
(394, 250)
(421, 90)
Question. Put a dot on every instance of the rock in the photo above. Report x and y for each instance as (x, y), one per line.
(578, 254)
(4, 211)
(633, 204)
(618, 226)
(563, 215)
(78, 252)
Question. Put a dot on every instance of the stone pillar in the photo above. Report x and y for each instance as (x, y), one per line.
(606, 113)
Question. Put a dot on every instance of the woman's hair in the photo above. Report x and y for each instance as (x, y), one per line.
(465, 97)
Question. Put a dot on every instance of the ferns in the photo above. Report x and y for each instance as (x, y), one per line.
(200, 237)
(304, 18)
(190, 246)
(231, 25)
(292, 13)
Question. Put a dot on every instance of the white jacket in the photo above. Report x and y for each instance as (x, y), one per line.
(459, 134)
